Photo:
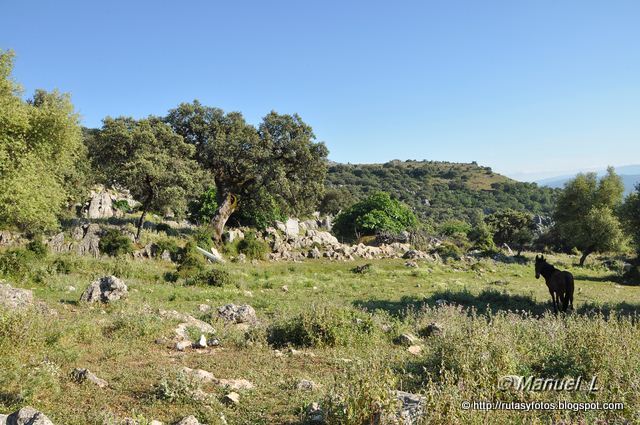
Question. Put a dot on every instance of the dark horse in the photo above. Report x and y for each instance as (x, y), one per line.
(560, 283)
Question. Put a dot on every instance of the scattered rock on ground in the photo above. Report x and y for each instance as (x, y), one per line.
(189, 420)
(238, 313)
(306, 385)
(207, 377)
(432, 329)
(81, 375)
(415, 349)
(15, 298)
(28, 416)
(314, 414)
(406, 339)
(105, 290)
(232, 398)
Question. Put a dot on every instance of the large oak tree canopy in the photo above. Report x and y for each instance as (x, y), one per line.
(279, 159)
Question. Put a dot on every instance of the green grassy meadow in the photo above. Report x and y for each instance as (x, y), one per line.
(342, 326)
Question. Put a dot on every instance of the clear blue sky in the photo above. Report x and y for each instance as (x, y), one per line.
(522, 86)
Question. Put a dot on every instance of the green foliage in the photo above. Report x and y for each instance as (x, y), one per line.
(40, 148)
(16, 262)
(630, 214)
(253, 247)
(260, 210)
(336, 200)
(454, 227)
(322, 327)
(585, 213)
(204, 208)
(512, 227)
(449, 249)
(180, 388)
(211, 277)
(362, 396)
(150, 160)
(438, 191)
(202, 238)
(191, 262)
(281, 157)
(122, 205)
(38, 247)
(376, 213)
(114, 243)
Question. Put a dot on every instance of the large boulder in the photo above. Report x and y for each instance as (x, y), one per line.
(105, 290)
(15, 298)
(233, 313)
(232, 235)
(28, 416)
(100, 205)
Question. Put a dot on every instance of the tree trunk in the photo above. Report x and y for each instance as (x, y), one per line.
(225, 209)
(585, 253)
(140, 224)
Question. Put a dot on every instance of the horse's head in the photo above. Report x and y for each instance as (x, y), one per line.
(540, 261)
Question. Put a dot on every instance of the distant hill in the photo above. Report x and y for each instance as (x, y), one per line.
(630, 175)
(441, 190)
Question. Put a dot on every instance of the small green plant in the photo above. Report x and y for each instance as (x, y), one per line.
(211, 277)
(114, 243)
(253, 247)
(16, 262)
(180, 388)
(122, 205)
(190, 260)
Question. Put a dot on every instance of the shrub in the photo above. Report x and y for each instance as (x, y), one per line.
(449, 250)
(38, 247)
(169, 245)
(114, 243)
(375, 214)
(211, 277)
(122, 205)
(180, 388)
(203, 209)
(190, 261)
(16, 262)
(362, 396)
(164, 227)
(253, 247)
(321, 327)
(202, 238)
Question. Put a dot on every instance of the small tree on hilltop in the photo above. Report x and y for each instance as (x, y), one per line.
(280, 159)
(150, 160)
(376, 213)
(585, 216)
(514, 228)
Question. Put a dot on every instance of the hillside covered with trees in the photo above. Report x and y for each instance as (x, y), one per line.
(436, 191)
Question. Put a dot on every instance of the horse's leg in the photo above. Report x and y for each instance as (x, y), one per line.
(565, 302)
(553, 301)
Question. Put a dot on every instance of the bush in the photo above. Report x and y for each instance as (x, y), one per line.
(164, 227)
(38, 247)
(203, 209)
(190, 261)
(377, 213)
(253, 247)
(114, 243)
(325, 327)
(449, 250)
(180, 388)
(211, 277)
(122, 205)
(169, 245)
(16, 262)
(362, 396)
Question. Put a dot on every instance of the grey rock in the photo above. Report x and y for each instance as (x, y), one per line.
(292, 228)
(83, 375)
(238, 313)
(306, 385)
(411, 408)
(189, 420)
(106, 289)
(314, 414)
(28, 416)
(100, 205)
(432, 329)
(406, 339)
(232, 398)
(89, 241)
(15, 298)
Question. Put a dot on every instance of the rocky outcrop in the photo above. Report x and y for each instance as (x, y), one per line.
(105, 290)
(100, 204)
(88, 237)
